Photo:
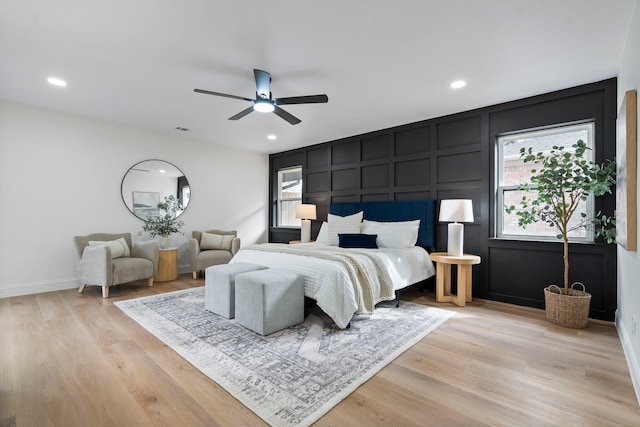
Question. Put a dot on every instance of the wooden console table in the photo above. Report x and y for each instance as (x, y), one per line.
(167, 265)
(443, 277)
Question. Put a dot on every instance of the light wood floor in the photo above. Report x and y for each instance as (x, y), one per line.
(76, 360)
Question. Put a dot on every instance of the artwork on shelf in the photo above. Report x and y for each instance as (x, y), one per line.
(145, 204)
(626, 173)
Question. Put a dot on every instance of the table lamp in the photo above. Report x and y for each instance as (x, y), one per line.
(453, 211)
(306, 213)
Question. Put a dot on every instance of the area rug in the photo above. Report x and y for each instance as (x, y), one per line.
(291, 377)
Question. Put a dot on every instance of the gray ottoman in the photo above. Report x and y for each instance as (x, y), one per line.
(269, 300)
(219, 286)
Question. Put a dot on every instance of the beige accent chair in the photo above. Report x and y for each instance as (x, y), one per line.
(203, 258)
(98, 267)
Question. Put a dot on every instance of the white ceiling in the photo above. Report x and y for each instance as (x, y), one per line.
(382, 63)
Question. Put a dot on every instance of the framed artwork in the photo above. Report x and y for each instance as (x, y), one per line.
(627, 173)
(145, 204)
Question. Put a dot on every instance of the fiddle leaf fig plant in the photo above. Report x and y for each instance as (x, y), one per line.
(167, 222)
(560, 181)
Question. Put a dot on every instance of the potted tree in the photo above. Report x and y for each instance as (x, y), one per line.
(167, 223)
(561, 180)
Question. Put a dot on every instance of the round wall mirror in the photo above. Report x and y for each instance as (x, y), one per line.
(147, 183)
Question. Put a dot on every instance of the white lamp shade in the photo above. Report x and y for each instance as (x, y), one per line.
(456, 210)
(305, 211)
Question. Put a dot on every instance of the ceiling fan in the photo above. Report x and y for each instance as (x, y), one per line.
(265, 103)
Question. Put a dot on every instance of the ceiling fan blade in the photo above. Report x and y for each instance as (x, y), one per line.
(242, 113)
(309, 99)
(288, 117)
(263, 83)
(208, 92)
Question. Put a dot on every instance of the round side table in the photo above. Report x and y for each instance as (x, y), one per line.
(443, 276)
(167, 265)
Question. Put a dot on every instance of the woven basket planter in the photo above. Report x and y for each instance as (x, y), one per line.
(569, 311)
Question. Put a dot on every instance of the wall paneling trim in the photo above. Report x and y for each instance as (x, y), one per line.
(453, 157)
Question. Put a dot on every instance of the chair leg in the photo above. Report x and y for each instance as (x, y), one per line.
(105, 292)
(195, 274)
(81, 289)
(150, 281)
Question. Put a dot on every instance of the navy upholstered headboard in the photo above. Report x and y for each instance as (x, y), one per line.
(396, 210)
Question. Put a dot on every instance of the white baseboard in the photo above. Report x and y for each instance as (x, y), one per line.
(632, 358)
(41, 287)
(37, 288)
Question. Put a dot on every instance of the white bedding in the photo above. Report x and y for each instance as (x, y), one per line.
(328, 281)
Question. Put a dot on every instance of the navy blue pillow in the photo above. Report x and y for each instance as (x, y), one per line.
(367, 241)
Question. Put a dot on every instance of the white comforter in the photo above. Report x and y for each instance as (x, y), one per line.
(328, 281)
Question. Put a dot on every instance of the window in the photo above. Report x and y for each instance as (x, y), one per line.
(512, 171)
(289, 196)
(184, 191)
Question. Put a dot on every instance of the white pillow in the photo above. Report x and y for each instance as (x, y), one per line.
(349, 224)
(401, 235)
(119, 248)
(411, 224)
(323, 234)
(216, 241)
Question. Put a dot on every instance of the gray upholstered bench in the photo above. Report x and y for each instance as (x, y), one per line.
(219, 286)
(269, 300)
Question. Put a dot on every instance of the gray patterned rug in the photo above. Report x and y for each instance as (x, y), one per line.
(291, 377)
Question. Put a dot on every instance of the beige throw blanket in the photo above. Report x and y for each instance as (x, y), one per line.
(370, 279)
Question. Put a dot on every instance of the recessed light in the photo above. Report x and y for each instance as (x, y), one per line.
(56, 81)
(458, 84)
(162, 171)
(272, 137)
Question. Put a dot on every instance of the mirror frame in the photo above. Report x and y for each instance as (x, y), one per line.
(150, 195)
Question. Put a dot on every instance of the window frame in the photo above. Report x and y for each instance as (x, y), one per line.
(500, 189)
(279, 199)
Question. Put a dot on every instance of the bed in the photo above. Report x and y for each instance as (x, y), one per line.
(344, 281)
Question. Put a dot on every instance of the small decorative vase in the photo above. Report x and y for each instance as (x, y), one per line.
(164, 242)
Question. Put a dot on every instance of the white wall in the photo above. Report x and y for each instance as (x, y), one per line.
(60, 176)
(629, 262)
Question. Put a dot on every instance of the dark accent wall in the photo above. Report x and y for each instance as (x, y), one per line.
(453, 157)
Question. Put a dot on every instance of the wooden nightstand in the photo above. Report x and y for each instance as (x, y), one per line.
(167, 265)
(443, 277)
(293, 242)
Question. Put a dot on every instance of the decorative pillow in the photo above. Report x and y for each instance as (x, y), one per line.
(119, 248)
(216, 241)
(367, 241)
(343, 224)
(323, 234)
(400, 235)
(413, 223)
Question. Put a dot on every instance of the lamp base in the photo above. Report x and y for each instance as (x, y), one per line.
(455, 239)
(305, 231)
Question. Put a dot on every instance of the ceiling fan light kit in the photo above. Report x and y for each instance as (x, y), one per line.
(264, 106)
(265, 103)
